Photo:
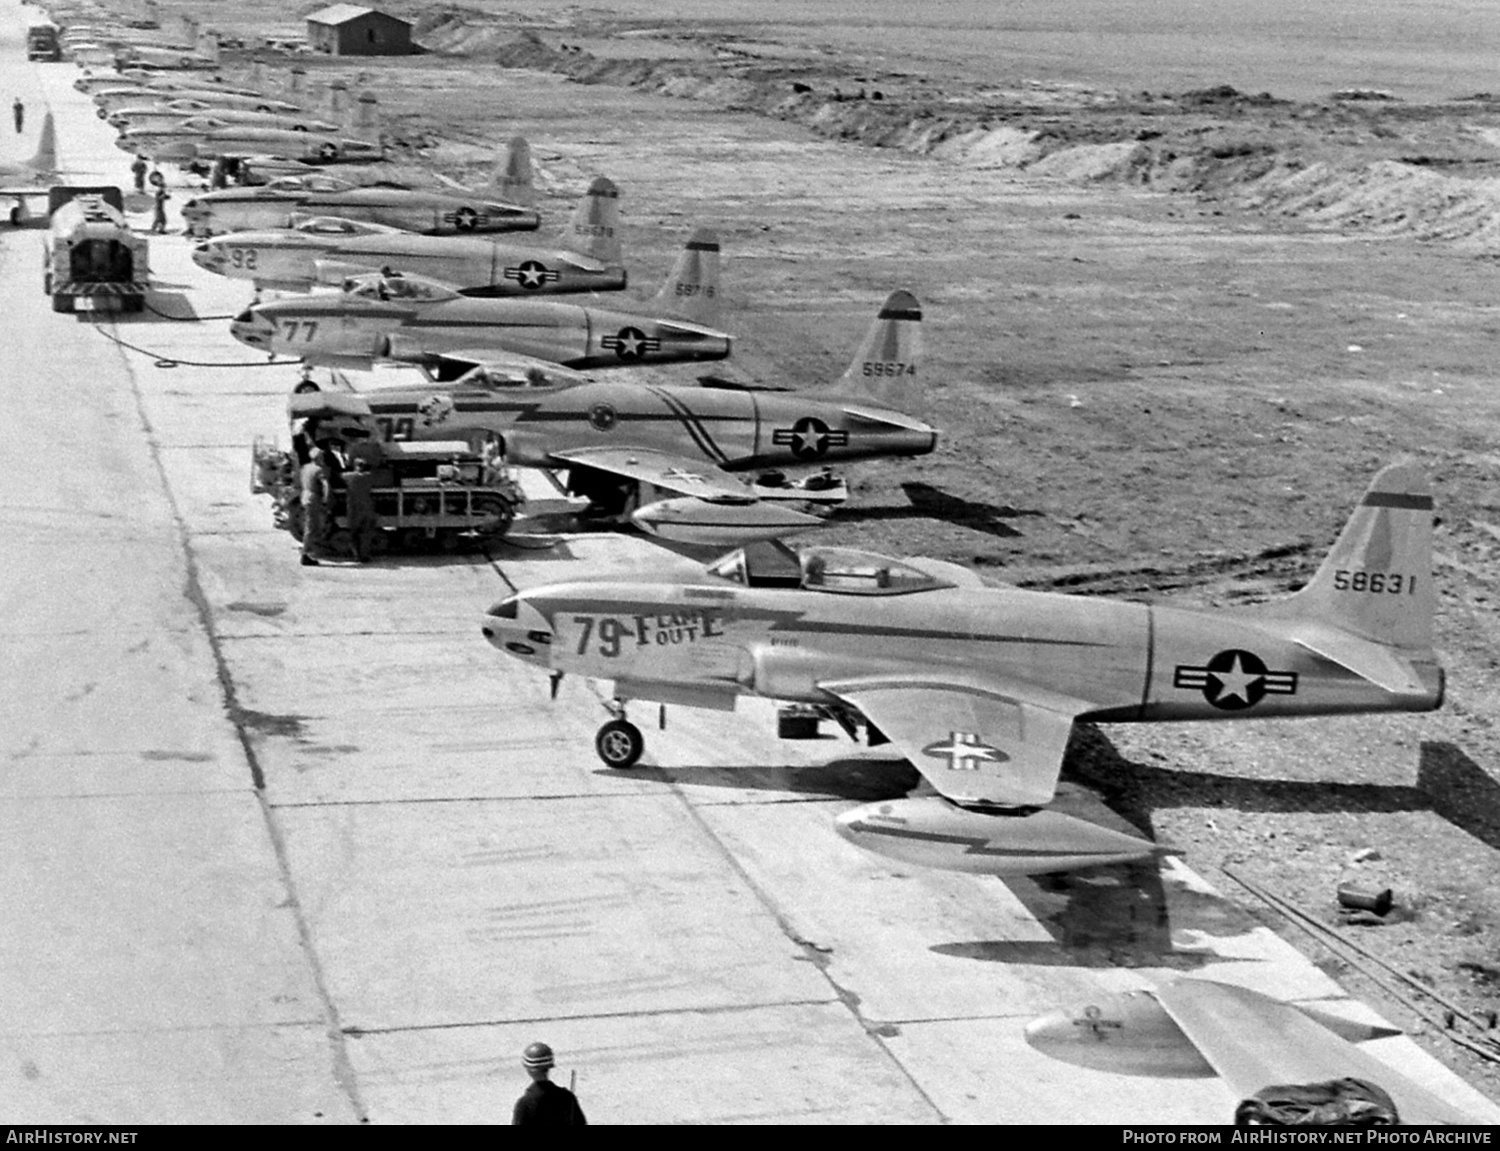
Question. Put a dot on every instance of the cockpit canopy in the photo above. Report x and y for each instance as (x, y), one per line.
(395, 286)
(337, 226)
(313, 183)
(845, 571)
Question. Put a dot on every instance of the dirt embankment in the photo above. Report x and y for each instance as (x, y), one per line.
(1358, 162)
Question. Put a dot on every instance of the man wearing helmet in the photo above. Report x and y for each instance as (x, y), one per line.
(544, 1103)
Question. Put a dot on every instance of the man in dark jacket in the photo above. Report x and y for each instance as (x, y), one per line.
(545, 1104)
(359, 509)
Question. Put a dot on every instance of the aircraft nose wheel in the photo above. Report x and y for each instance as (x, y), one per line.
(619, 743)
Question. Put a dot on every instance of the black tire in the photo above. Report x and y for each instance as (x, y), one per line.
(305, 386)
(133, 304)
(62, 303)
(299, 127)
(15, 215)
(263, 108)
(619, 744)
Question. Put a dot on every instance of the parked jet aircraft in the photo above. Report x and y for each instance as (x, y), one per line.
(112, 100)
(316, 251)
(626, 445)
(506, 205)
(1193, 1028)
(180, 115)
(239, 140)
(33, 178)
(980, 686)
(415, 320)
(162, 85)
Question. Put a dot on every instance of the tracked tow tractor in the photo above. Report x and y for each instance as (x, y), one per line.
(432, 494)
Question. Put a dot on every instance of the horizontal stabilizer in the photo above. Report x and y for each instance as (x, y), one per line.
(1383, 666)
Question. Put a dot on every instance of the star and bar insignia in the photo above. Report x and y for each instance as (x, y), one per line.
(1234, 680)
(631, 343)
(809, 438)
(532, 274)
(964, 751)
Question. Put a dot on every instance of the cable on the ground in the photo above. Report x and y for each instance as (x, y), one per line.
(161, 361)
(187, 319)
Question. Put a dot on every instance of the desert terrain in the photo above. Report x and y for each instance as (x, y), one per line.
(1185, 290)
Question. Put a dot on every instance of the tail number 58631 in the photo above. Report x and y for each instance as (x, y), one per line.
(1377, 583)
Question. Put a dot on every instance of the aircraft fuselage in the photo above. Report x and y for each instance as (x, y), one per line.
(479, 266)
(1129, 662)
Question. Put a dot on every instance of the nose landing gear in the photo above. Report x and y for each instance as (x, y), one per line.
(619, 742)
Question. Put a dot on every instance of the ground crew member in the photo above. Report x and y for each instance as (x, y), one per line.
(160, 196)
(359, 494)
(218, 176)
(545, 1104)
(18, 110)
(315, 498)
(138, 170)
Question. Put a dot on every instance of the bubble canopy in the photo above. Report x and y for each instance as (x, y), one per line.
(846, 571)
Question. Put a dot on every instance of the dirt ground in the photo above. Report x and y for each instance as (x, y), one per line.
(1169, 339)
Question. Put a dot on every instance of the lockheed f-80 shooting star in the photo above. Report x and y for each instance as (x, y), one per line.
(331, 249)
(980, 686)
(507, 204)
(667, 455)
(417, 320)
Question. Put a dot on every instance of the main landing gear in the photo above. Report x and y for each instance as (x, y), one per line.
(619, 742)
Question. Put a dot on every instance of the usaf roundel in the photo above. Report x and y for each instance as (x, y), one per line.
(964, 751)
(1235, 680)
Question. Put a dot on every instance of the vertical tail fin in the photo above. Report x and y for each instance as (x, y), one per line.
(594, 230)
(45, 159)
(692, 289)
(512, 182)
(1377, 581)
(886, 368)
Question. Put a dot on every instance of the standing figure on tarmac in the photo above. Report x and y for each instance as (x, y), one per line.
(544, 1103)
(18, 110)
(315, 497)
(138, 170)
(359, 492)
(160, 197)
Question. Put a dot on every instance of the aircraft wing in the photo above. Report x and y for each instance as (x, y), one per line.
(975, 740)
(688, 477)
(1255, 1042)
(497, 365)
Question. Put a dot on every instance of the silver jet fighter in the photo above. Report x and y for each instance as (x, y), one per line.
(163, 145)
(196, 114)
(980, 686)
(670, 457)
(108, 101)
(414, 320)
(313, 252)
(507, 204)
(1197, 1028)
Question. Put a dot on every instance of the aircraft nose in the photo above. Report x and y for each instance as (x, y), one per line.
(251, 328)
(518, 629)
(209, 257)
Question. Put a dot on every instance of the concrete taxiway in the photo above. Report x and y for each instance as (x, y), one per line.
(295, 845)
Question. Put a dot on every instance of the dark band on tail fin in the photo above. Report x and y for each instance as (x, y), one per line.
(692, 289)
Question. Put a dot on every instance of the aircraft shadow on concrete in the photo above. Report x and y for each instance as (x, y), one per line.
(928, 502)
(853, 779)
(1122, 916)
